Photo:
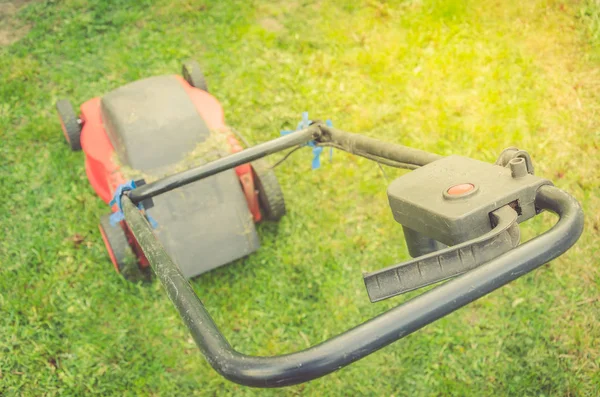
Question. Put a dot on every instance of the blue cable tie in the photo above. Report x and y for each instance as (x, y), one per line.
(118, 215)
(316, 150)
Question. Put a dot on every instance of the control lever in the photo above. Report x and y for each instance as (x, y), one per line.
(449, 262)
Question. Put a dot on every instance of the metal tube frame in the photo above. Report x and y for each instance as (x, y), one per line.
(223, 164)
(390, 153)
(372, 335)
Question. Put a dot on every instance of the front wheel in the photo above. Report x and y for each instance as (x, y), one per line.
(119, 250)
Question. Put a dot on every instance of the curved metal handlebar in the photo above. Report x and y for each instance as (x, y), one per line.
(374, 334)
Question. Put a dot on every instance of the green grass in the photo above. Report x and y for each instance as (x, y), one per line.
(446, 76)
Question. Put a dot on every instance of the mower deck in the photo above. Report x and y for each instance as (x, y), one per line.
(153, 125)
(150, 126)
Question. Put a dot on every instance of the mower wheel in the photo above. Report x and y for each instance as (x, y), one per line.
(270, 196)
(119, 250)
(70, 123)
(192, 73)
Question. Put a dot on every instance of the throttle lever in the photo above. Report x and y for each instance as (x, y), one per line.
(446, 263)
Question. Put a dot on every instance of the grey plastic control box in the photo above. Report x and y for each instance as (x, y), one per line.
(420, 200)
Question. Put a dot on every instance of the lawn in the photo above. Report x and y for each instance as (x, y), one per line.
(464, 77)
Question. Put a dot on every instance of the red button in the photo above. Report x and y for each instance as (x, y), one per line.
(463, 188)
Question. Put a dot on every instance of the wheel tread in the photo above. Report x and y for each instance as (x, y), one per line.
(270, 196)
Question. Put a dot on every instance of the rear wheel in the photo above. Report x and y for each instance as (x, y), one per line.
(119, 250)
(70, 123)
(192, 73)
(270, 196)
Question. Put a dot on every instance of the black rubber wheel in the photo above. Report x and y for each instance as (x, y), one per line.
(70, 123)
(119, 250)
(192, 73)
(270, 196)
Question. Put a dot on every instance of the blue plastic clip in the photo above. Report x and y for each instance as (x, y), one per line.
(316, 150)
(118, 216)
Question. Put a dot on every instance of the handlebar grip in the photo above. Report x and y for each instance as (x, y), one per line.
(448, 262)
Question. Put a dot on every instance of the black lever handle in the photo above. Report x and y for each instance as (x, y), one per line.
(446, 263)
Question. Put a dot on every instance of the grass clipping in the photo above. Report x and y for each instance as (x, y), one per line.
(212, 148)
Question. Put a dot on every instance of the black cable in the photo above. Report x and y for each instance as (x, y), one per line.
(287, 155)
(379, 160)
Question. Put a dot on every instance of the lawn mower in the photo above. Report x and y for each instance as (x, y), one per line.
(460, 217)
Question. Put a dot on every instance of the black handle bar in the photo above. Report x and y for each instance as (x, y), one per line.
(364, 339)
(387, 153)
(372, 335)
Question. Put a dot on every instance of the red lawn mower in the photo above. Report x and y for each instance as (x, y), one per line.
(460, 216)
(150, 125)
